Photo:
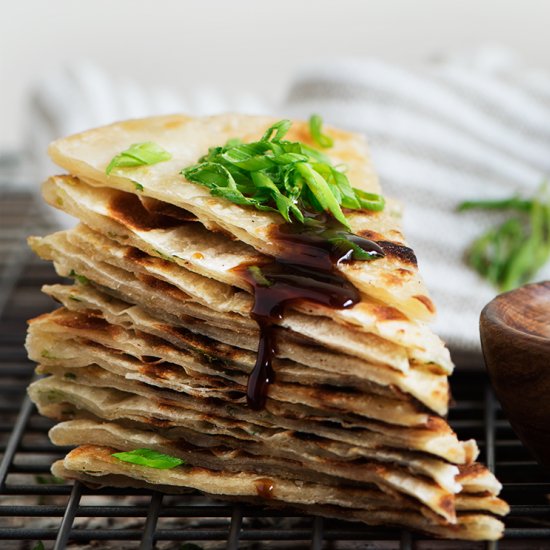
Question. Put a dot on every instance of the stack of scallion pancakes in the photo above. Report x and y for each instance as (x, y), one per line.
(246, 320)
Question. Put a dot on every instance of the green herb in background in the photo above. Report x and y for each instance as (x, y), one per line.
(277, 175)
(515, 202)
(38, 546)
(139, 154)
(150, 458)
(510, 254)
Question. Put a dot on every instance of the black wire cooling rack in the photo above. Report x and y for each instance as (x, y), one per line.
(38, 511)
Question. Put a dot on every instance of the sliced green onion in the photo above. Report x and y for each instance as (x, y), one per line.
(320, 189)
(258, 276)
(280, 128)
(348, 250)
(139, 154)
(316, 130)
(83, 280)
(150, 458)
(282, 176)
(370, 201)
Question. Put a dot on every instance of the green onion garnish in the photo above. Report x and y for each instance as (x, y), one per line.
(348, 250)
(316, 130)
(82, 279)
(258, 276)
(150, 458)
(139, 154)
(277, 175)
(511, 253)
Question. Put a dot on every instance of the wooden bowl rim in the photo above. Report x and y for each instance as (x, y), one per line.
(490, 313)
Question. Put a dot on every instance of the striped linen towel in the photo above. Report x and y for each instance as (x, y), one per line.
(464, 128)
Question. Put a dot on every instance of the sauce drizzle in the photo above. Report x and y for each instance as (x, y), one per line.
(305, 272)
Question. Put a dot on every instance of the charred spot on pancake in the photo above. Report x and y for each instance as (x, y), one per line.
(159, 422)
(194, 342)
(135, 254)
(161, 286)
(154, 206)
(399, 252)
(437, 424)
(388, 313)
(426, 301)
(127, 209)
(83, 321)
(217, 363)
(447, 504)
(159, 371)
(405, 273)
(154, 342)
(473, 470)
(371, 235)
(81, 450)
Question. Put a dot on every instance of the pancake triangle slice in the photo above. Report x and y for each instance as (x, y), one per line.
(247, 320)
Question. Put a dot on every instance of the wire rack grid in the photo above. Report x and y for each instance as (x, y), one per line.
(36, 508)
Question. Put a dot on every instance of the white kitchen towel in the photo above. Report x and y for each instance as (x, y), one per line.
(468, 127)
(83, 96)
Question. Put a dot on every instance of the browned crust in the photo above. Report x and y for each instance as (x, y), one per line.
(426, 301)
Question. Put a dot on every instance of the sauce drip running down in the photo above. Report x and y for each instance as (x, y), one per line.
(305, 272)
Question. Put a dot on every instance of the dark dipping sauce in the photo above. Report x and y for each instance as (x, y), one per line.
(306, 271)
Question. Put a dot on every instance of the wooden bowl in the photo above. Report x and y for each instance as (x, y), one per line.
(515, 337)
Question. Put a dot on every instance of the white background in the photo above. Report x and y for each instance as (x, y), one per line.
(238, 45)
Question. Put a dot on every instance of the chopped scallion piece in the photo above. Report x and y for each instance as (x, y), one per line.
(139, 154)
(150, 458)
(348, 250)
(316, 130)
(83, 280)
(258, 276)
